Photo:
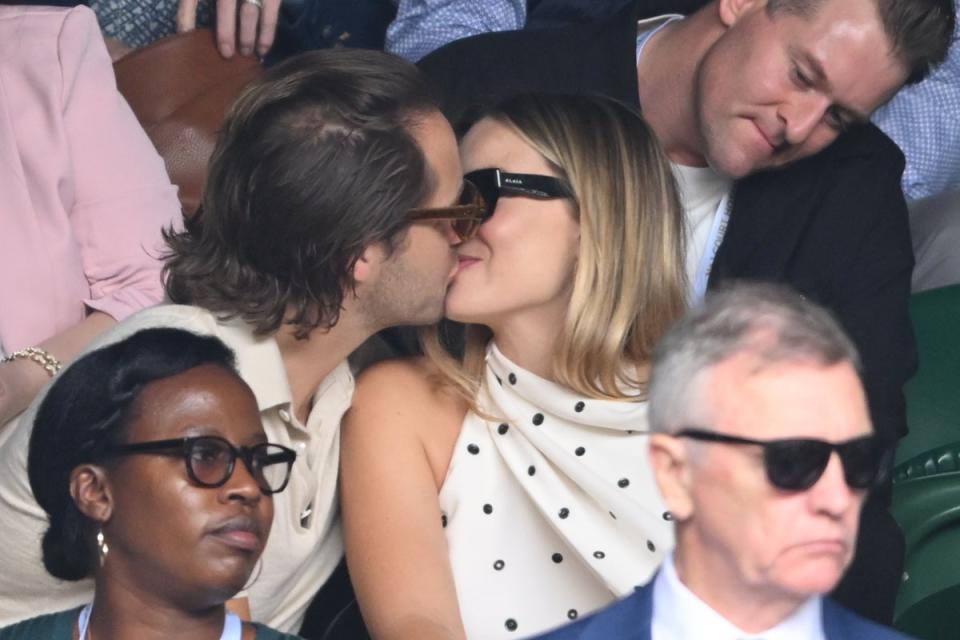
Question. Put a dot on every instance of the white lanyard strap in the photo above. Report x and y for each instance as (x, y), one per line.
(84, 621)
(232, 626)
(717, 231)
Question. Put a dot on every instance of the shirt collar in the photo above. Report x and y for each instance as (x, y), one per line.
(678, 613)
(259, 363)
(261, 366)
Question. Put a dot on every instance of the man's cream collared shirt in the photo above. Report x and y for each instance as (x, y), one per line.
(305, 543)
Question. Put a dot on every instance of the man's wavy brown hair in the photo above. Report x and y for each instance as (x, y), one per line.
(314, 164)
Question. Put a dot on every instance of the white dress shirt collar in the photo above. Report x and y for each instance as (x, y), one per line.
(678, 614)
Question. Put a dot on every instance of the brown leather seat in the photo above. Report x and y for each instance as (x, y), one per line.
(180, 89)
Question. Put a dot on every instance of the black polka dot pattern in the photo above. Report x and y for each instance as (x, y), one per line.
(492, 450)
(443, 520)
(667, 516)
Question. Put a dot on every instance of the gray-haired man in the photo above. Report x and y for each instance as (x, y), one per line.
(764, 452)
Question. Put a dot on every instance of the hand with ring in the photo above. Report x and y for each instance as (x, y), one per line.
(247, 25)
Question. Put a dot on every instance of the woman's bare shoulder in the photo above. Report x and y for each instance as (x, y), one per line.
(406, 388)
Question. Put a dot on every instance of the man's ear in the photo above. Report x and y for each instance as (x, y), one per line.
(91, 492)
(367, 266)
(671, 468)
(730, 11)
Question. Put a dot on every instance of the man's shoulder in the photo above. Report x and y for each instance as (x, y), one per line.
(495, 40)
(234, 332)
(627, 619)
(579, 58)
(173, 316)
(842, 624)
(867, 139)
(52, 626)
(855, 162)
(859, 147)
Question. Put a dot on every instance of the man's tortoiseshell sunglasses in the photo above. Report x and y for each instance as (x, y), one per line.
(465, 216)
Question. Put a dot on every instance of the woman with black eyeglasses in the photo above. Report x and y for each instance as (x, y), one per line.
(151, 464)
(503, 491)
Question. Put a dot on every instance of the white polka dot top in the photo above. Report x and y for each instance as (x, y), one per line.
(550, 511)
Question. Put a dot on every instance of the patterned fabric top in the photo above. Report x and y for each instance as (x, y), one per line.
(137, 23)
(922, 120)
(551, 510)
(424, 25)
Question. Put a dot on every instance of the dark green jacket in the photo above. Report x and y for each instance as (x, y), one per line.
(59, 626)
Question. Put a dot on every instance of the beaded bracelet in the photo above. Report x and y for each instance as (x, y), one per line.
(41, 356)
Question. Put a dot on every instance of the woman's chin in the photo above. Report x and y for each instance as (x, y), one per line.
(453, 309)
(454, 315)
(226, 581)
(465, 316)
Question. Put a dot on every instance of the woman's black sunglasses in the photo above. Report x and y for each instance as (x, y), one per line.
(211, 460)
(796, 464)
(481, 190)
(493, 183)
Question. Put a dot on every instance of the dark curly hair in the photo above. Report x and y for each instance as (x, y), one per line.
(315, 163)
(86, 411)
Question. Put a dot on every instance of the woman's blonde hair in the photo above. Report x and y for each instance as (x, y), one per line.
(630, 282)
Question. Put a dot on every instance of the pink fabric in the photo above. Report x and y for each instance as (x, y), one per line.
(83, 193)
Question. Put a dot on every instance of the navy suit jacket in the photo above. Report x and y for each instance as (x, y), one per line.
(630, 619)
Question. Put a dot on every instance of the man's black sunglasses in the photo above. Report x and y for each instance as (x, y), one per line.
(210, 460)
(796, 464)
(492, 183)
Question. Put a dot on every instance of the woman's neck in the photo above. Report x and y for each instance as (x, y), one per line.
(528, 343)
(122, 611)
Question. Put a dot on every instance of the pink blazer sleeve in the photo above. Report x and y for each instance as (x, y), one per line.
(122, 197)
(84, 193)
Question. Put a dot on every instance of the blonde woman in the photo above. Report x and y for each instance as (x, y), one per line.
(507, 491)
